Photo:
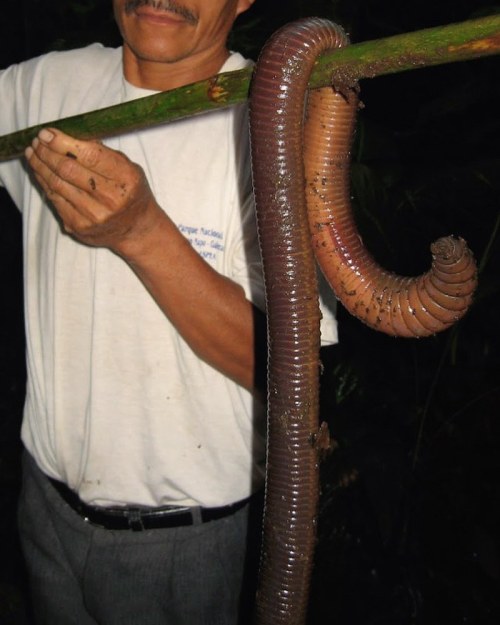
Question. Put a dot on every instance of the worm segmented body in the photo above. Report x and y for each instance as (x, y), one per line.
(393, 304)
(290, 162)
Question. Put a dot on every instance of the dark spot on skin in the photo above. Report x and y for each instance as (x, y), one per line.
(71, 155)
(92, 184)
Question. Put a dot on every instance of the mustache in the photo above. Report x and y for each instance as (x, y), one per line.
(163, 5)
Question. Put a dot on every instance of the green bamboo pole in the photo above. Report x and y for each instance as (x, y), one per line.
(434, 46)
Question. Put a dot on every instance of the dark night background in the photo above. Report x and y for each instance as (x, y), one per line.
(409, 528)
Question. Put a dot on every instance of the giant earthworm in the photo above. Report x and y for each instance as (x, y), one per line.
(289, 163)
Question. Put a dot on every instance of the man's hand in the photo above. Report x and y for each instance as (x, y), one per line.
(101, 197)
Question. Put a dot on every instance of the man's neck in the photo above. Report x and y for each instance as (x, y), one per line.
(163, 76)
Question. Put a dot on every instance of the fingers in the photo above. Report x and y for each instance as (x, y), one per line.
(60, 159)
(99, 194)
(91, 155)
(79, 171)
(71, 188)
(62, 175)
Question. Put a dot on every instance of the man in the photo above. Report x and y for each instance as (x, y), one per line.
(144, 436)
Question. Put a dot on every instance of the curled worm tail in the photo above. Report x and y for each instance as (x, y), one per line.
(399, 306)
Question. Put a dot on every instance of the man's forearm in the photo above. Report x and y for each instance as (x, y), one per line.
(103, 199)
(209, 310)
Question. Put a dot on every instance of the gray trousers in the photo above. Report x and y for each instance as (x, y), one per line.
(85, 575)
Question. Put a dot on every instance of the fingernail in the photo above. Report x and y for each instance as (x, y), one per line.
(35, 143)
(45, 135)
(28, 152)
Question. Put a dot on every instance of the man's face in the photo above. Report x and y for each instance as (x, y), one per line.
(168, 31)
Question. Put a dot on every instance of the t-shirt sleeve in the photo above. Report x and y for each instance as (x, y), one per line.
(12, 118)
(246, 258)
(328, 307)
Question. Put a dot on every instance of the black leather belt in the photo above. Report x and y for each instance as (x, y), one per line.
(137, 518)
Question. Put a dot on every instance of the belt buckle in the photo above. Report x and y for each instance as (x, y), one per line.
(134, 519)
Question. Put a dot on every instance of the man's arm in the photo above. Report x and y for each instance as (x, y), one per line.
(104, 200)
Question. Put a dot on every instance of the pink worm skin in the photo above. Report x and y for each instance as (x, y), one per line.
(290, 162)
(396, 305)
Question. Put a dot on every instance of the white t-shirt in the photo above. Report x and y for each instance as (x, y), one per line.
(118, 406)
